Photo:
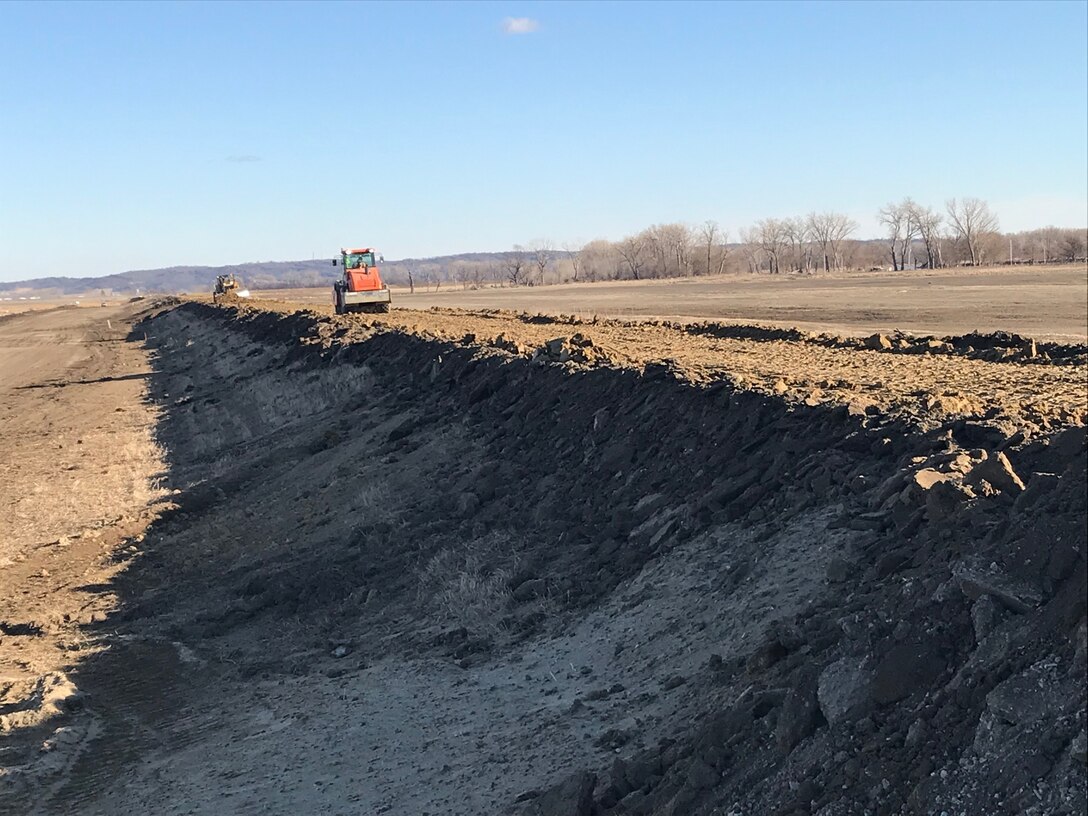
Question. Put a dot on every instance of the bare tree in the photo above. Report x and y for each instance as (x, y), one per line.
(462, 272)
(1073, 245)
(654, 251)
(800, 244)
(669, 250)
(577, 262)
(477, 275)
(971, 219)
(892, 218)
(679, 241)
(431, 274)
(796, 234)
(1048, 242)
(852, 253)
(771, 234)
(708, 235)
(840, 227)
(749, 242)
(542, 257)
(828, 231)
(515, 266)
(898, 220)
(723, 253)
(819, 227)
(600, 261)
(713, 242)
(633, 252)
(928, 222)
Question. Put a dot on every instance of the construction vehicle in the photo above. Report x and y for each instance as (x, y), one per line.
(226, 288)
(361, 288)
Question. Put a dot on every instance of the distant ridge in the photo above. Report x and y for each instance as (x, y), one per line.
(255, 275)
(526, 266)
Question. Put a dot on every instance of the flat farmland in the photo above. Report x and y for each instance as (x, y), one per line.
(1048, 303)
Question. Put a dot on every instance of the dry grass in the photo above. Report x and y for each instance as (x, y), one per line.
(470, 586)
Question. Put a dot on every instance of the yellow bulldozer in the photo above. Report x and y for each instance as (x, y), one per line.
(227, 288)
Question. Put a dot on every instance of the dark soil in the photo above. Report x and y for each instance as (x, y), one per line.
(333, 475)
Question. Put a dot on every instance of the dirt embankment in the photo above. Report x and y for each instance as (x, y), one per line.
(1010, 380)
(469, 563)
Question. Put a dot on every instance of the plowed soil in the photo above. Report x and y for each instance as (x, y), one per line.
(1046, 302)
(261, 560)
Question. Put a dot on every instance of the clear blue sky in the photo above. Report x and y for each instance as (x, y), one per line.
(154, 134)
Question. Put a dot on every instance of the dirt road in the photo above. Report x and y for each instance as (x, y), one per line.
(77, 472)
(460, 562)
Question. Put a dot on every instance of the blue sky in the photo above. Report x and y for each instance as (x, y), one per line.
(157, 134)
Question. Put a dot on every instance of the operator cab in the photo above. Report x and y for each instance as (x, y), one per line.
(355, 259)
(359, 258)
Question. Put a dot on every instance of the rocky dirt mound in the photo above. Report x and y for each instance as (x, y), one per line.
(943, 671)
(589, 475)
(921, 390)
(611, 569)
(940, 668)
(993, 347)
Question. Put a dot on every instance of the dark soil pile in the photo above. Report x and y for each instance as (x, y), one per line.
(991, 347)
(940, 670)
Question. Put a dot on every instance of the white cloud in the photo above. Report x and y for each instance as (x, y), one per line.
(520, 25)
(243, 158)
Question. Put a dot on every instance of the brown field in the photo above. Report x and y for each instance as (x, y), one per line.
(1045, 302)
(459, 561)
(20, 306)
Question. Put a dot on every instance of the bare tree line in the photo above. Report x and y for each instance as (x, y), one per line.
(963, 232)
(803, 244)
(1046, 245)
(967, 233)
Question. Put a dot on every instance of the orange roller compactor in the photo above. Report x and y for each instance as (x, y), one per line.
(361, 288)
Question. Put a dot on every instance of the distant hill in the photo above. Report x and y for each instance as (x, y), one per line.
(256, 275)
(177, 279)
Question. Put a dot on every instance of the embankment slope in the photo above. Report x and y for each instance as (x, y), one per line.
(465, 562)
